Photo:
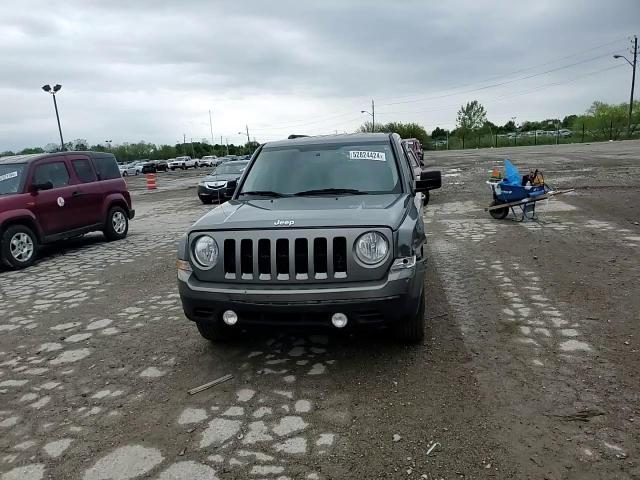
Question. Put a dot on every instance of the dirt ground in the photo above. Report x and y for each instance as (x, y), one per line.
(529, 370)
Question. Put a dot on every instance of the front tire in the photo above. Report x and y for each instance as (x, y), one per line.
(18, 247)
(125, 174)
(117, 225)
(410, 331)
(499, 213)
(216, 331)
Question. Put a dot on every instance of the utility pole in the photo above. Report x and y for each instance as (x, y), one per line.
(633, 79)
(248, 138)
(227, 145)
(633, 64)
(373, 116)
(211, 128)
(193, 152)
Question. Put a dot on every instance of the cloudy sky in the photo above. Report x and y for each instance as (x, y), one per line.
(151, 70)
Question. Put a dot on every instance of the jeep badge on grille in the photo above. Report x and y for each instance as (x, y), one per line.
(284, 223)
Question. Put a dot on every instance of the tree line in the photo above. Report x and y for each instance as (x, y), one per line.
(600, 122)
(128, 152)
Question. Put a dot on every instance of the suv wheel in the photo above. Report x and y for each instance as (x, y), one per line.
(18, 246)
(411, 330)
(117, 224)
(125, 174)
(216, 331)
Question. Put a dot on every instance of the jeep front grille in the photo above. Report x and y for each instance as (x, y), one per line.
(291, 256)
(286, 259)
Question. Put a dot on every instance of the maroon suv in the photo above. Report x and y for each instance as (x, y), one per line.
(55, 196)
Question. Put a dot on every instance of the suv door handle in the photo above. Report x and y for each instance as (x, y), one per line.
(77, 194)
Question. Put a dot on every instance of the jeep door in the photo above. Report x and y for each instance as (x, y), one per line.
(51, 207)
(86, 199)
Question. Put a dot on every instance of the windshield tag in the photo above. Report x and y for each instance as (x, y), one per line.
(366, 155)
(9, 175)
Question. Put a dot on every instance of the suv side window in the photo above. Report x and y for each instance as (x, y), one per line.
(83, 170)
(107, 168)
(54, 172)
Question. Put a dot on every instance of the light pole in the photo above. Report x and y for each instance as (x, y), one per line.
(108, 142)
(247, 134)
(373, 115)
(56, 88)
(515, 131)
(633, 77)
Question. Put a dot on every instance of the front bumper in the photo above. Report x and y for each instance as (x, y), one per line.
(222, 193)
(392, 299)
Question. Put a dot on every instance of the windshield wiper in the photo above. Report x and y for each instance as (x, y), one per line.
(264, 193)
(331, 191)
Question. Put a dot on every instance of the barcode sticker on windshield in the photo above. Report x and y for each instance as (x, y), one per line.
(365, 155)
(9, 175)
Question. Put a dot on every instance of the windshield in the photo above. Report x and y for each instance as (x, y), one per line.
(11, 178)
(367, 168)
(225, 169)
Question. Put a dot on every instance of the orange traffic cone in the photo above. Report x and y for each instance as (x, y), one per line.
(151, 181)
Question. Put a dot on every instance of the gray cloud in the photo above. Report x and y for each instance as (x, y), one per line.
(151, 70)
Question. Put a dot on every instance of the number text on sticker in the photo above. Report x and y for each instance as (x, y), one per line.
(366, 155)
(9, 175)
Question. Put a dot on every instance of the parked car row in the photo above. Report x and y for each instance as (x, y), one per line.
(563, 132)
(183, 163)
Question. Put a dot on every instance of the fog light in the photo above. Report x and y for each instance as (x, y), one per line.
(339, 320)
(230, 317)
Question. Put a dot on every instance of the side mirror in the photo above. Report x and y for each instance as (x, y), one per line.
(36, 187)
(429, 181)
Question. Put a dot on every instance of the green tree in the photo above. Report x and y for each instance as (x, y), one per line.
(568, 121)
(405, 130)
(471, 116)
(27, 151)
(367, 127)
(608, 122)
(438, 133)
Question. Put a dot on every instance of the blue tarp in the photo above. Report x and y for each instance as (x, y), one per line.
(511, 174)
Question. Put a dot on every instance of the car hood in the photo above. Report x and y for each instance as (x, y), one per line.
(221, 177)
(306, 212)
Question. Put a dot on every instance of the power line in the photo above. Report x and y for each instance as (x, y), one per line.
(328, 118)
(500, 84)
(520, 70)
(268, 127)
(525, 92)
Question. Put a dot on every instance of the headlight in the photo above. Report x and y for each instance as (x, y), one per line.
(205, 251)
(372, 248)
(201, 183)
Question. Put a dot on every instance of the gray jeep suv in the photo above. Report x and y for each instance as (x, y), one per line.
(320, 231)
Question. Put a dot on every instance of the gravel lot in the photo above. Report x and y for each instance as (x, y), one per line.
(530, 369)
